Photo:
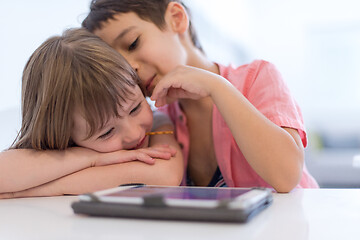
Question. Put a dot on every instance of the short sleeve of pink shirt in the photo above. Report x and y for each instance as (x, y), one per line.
(262, 84)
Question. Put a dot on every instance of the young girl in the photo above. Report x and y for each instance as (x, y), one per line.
(238, 126)
(80, 96)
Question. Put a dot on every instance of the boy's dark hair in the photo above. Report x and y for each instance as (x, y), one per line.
(149, 10)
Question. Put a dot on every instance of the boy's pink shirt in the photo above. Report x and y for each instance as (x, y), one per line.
(263, 86)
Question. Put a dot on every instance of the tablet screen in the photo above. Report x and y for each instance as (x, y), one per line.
(189, 193)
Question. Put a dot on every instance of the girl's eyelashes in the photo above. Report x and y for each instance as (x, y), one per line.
(135, 109)
(110, 131)
(106, 134)
(134, 44)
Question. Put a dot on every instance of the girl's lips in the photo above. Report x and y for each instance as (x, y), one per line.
(141, 143)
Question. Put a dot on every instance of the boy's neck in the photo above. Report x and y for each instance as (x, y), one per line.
(196, 58)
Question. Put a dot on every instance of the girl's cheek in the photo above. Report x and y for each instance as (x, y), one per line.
(111, 146)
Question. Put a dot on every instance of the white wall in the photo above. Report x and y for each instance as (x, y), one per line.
(24, 26)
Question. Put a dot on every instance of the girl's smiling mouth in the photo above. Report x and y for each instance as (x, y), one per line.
(141, 143)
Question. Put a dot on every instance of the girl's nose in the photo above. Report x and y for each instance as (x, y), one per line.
(132, 135)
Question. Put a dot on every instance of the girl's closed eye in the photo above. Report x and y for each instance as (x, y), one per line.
(107, 134)
(135, 109)
(134, 44)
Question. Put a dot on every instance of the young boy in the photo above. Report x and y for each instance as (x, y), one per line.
(237, 126)
(85, 122)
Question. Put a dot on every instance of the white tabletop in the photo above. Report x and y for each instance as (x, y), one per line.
(302, 214)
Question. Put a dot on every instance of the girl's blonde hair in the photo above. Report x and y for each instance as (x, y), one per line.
(73, 72)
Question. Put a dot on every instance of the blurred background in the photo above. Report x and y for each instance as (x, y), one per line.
(314, 44)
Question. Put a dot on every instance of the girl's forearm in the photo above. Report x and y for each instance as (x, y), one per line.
(26, 168)
(98, 178)
(50, 171)
(276, 154)
(103, 177)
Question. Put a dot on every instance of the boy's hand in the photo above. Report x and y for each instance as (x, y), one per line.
(184, 82)
(145, 155)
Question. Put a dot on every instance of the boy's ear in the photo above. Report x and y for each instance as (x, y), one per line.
(177, 17)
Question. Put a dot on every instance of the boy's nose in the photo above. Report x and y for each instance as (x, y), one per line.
(134, 65)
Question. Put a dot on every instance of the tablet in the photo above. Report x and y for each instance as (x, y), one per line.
(176, 203)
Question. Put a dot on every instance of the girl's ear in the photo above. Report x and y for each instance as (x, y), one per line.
(177, 17)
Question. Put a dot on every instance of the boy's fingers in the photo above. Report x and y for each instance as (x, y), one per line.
(160, 103)
(159, 92)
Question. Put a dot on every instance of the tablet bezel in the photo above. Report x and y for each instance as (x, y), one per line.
(249, 199)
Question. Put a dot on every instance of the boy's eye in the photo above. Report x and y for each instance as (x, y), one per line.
(107, 133)
(134, 44)
(135, 109)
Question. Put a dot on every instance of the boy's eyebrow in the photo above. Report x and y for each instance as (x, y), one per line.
(123, 33)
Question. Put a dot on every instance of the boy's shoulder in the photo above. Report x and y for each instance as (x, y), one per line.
(254, 66)
(247, 72)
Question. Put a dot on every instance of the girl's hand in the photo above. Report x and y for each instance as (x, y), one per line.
(184, 82)
(145, 155)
